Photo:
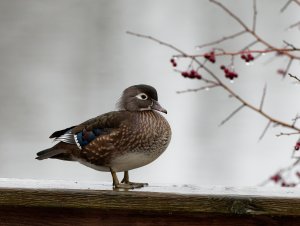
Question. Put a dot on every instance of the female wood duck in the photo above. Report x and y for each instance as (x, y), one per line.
(117, 141)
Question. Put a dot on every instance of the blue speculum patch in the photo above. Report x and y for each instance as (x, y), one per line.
(85, 137)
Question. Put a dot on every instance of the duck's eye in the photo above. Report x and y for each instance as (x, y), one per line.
(142, 96)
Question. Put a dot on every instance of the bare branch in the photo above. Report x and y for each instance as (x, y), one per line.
(222, 39)
(287, 134)
(198, 89)
(297, 24)
(264, 131)
(297, 2)
(290, 45)
(156, 40)
(288, 67)
(295, 77)
(249, 45)
(254, 16)
(222, 84)
(263, 97)
(279, 177)
(223, 53)
(232, 114)
(231, 14)
(295, 119)
(252, 32)
(286, 5)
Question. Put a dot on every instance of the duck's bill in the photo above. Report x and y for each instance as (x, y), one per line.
(156, 106)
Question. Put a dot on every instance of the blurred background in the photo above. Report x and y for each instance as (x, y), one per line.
(62, 62)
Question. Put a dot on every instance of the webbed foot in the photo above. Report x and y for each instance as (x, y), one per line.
(125, 180)
(125, 183)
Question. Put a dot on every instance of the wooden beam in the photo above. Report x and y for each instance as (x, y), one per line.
(35, 201)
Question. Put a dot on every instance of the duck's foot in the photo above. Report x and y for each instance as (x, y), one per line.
(125, 183)
(129, 185)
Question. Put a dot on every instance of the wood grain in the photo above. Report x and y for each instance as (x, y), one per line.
(30, 202)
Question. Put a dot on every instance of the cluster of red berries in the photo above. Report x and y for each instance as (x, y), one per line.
(191, 74)
(297, 146)
(278, 178)
(228, 73)
(247, 57)
(173, 62)
(210, 56)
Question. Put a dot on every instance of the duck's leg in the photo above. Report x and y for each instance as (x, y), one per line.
(114, 177)
(118, 185)
(125, 180)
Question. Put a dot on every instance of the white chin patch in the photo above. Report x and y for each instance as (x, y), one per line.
(145, 109)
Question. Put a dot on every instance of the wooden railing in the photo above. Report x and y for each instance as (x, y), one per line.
(34, 202)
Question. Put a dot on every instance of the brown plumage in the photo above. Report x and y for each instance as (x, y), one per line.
(117, 141)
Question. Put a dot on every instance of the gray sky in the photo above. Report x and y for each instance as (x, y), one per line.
(62, 62)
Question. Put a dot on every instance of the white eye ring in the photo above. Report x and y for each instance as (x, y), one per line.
(142, 96)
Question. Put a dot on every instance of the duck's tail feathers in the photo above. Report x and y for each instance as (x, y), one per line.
(49, 153)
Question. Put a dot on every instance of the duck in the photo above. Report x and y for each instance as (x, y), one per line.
(118, 141)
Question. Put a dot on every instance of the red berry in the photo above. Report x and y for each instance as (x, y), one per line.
(297, 146)
(277, 177)
(222, 67)
(174, 64)
(185, 74)
(193, 72)
(206, 55)
(243, 57)
(250, 57)
(172, 60)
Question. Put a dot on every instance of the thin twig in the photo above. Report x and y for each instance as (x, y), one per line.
(263, 97)
(249, 45)
(286, 5)
(222, 84)
(254, 16)
(297, 2)
(250, 31)
(297, 24)
(290, 45)
(223, 53)
(198, 89)
(287, 134)
(156, 40)
(295, 77)
(281, 171)
(288, 66)
(222, 39)
(264, 131)
(295, 119)
(232, 114)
